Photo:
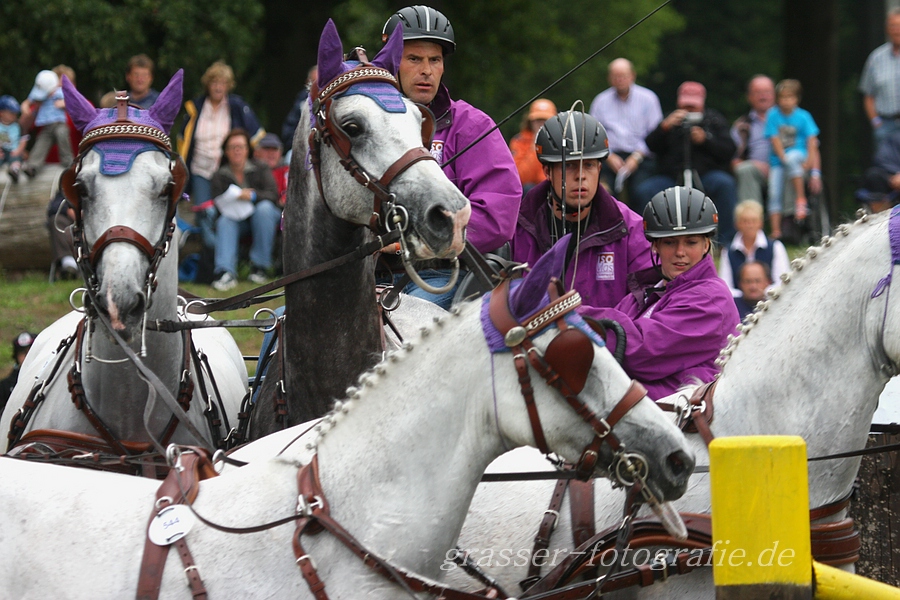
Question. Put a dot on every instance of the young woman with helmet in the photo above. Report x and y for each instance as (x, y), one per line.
(486, 173)
(679, 312)
(608, 241)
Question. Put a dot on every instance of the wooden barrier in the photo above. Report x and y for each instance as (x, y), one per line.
(24, 239)
(760, 524)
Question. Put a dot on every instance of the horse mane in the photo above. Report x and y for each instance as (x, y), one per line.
(797, 265)
(372, 377)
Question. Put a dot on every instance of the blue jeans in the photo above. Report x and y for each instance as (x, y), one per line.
(434, 278)
(888, 126)
(793, 167)
(262, 225)
(206, 219)
(718, 185)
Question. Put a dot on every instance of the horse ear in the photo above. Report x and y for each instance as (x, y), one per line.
(389, 56)
(166, 107)
(331, 53)
(527, 297)
(78, 107)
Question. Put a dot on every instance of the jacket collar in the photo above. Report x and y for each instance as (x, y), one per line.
(440, 106)
(645, 285)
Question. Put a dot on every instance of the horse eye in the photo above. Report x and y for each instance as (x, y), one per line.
(352, 128)
(167, 190)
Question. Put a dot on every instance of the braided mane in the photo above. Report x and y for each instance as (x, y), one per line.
(797, 265)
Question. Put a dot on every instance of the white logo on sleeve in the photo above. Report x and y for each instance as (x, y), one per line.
(606, 266)
(437, 150)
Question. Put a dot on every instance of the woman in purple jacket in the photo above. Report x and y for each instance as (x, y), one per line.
(608, 241)
(678, 313)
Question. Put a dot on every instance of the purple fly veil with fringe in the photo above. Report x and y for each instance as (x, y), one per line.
(117, 156)
(529, 295)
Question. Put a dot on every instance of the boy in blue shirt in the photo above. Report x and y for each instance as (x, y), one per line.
(795, 147)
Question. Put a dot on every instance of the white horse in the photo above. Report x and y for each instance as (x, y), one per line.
(398, 460)
(125, 215)
(811, 361)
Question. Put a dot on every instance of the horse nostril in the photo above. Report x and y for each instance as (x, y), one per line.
(680, 463)
(438, 221)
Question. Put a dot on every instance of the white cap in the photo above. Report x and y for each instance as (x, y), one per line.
(44, 84)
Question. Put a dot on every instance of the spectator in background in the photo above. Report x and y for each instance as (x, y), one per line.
(486, 173)
(46, 106)
(209, 119)
(696, 136)
(139, 75)
(881, 183)
(880, 82)
(751, 244)
(751, 161)
(522, 144)
(794, 148)
(12, 142)
(293, 117)
(629, 112)
(753, 280)
(268, 152)
(246, 195)
(21, 346)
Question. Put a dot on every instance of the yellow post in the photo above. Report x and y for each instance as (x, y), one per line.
(760, 518)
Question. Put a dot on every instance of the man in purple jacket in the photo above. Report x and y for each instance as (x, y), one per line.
(485, 174)
(679, 312)
(609, 241)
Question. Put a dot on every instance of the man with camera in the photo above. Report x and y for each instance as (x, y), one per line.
(693, 142)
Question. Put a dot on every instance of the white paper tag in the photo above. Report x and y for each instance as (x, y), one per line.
(170, 524)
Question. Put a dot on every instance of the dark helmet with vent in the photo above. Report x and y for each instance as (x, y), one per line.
(422, 23)
(585, 138)
(680, 211)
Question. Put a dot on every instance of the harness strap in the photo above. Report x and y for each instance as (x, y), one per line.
(181, 486)
(545, 530)
(316, 518)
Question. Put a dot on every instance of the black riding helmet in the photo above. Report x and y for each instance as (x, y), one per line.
(585, 138)
(680, 211)
(23, 342)
(422, 23)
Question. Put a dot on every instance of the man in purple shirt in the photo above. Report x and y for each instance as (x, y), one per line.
(628, 112)
(608, 240)
(486, 173)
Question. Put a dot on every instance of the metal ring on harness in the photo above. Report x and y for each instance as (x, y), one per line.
(635, 466)
(72, 301)
(187, 307)
(267, 311)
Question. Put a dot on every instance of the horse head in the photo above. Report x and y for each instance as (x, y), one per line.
(124, 186)
(363, 129)
(622, 433)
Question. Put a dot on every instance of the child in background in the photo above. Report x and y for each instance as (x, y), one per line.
(12, 142)
(795, 148)
(51, 118)
(751, 244)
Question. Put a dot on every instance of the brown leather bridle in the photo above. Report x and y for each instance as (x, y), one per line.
(122, 129)
(564, 365)
(328, 131)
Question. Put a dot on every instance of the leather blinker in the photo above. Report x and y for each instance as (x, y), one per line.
(571, 354)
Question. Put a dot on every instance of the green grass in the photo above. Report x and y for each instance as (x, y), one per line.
(28, 302)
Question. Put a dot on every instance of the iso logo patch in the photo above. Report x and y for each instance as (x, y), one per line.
(606, 266)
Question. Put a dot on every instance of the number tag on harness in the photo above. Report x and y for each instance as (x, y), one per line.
(170, 524)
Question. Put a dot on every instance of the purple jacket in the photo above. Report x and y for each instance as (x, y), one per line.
(674, 334)
(485, 174)
(613, 245)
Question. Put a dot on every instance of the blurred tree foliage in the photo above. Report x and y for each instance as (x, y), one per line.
(96, 38)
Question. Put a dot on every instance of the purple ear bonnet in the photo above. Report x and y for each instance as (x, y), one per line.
(529, 295)
(117, 156)
(331, 66)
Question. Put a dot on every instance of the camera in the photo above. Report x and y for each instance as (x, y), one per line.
(693, 118)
